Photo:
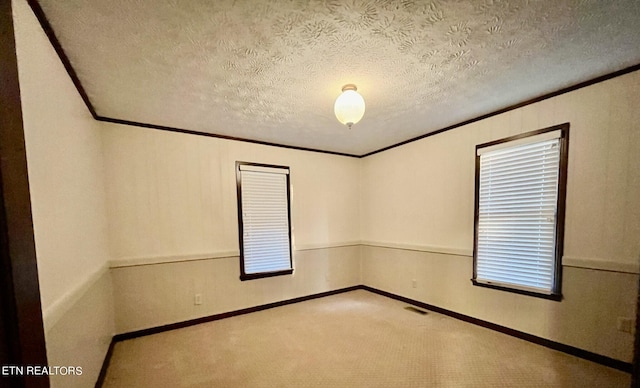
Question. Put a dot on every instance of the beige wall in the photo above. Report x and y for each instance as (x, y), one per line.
(418, 203)
(64, 158)
(82, 335)
(171, 194)
(154, 295)
(173, 225)
(159, 209)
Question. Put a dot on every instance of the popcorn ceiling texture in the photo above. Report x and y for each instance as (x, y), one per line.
(271, 70)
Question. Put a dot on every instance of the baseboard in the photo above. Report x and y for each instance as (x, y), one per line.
(571, 350)
(215, 317)
(105, 364)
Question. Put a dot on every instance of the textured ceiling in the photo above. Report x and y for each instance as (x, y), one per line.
(271, 70)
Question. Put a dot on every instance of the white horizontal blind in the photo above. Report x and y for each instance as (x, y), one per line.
(518, 197)
(265, 221)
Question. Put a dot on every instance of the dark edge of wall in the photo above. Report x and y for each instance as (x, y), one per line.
(105, 364)
(23, 338)
(46, 26)
(635, 375)
(48, 30)
(571, 350)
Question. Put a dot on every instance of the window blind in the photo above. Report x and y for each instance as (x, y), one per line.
(518, 196)
(265, 220)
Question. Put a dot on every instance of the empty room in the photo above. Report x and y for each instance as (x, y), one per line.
(357, 193)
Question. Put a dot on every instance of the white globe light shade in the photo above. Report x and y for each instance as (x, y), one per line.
(349, 107)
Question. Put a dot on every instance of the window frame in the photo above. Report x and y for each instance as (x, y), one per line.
(249, 276)
(556, 290)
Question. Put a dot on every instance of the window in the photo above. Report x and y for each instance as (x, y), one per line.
(519, 212)
(264, 220)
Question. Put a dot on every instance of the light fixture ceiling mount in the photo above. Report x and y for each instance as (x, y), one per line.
(349, 106)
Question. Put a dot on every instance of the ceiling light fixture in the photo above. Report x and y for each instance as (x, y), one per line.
(349, 106)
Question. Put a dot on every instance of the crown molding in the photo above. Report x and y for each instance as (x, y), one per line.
(46, 26)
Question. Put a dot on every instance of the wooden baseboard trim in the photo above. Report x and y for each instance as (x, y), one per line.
(105, 364)
(571, 350)
(215, 317)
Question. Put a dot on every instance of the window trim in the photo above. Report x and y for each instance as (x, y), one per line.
(243, 275)
(556, 291)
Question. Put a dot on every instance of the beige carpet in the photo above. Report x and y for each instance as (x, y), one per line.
(355, 339)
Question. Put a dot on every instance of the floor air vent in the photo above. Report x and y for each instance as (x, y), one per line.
(415, 310)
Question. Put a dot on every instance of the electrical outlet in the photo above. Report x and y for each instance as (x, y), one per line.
(414, 283)
(197, 299)
(625, 325)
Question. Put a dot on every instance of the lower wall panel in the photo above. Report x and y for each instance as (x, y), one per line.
(154, 295)
(81, 337)
(586, 317)
(158, 294)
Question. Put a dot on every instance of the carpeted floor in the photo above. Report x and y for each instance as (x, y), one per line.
(355, 339)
